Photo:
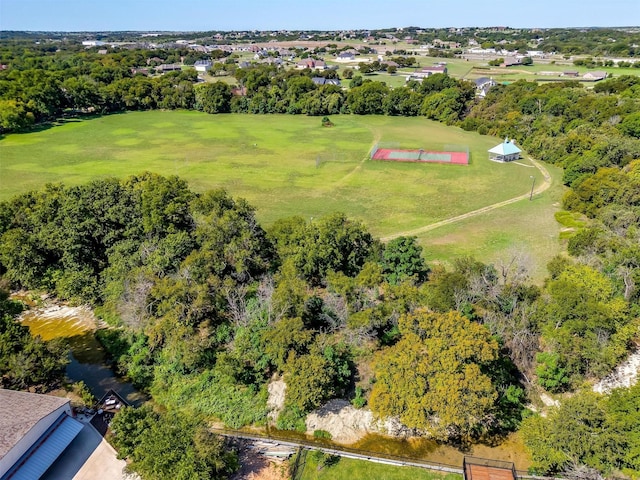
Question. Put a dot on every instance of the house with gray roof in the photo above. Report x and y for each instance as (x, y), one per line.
(325, 81)
(34, 430)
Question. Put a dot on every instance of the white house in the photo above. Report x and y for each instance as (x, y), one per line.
(505, 152)
(34, 430)
(203, 66)
(92, 43)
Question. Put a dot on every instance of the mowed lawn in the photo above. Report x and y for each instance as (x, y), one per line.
(282, 164)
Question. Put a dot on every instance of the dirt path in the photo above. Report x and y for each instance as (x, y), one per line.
(546, 183)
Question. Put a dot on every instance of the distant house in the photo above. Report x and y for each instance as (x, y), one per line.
(102, 51)
(570, 73)
(140, 71)
(168, 67)
(273, 61)
(434, 69)
(34, 430)
(203, 66)
(484, 82)
(346, 57)
(594, 76)
(511, 61)
(326, 81)
(92, 43)
(483, 85)
(505, 152)
(427, 72)
(311, 63)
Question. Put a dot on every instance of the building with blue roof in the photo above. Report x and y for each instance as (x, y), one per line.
(505, 152)
(34, 430)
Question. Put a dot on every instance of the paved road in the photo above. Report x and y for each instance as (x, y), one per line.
(546, 183)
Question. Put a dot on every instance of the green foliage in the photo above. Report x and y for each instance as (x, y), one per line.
(402, 260)
(213, 98)
(291, 418)
(435, 371)
(81, 389)
(288, 337)
(597, 431)
(26, 360)
(212, 394)
(551, 373)
(332, 242)
(583, 321)
(171, 446)
(321, 434)
(359, 400)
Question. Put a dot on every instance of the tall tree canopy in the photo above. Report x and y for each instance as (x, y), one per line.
(433, 377)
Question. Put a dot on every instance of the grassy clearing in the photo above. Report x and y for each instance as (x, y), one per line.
(363, 470)
(272, 162)
(525, 226)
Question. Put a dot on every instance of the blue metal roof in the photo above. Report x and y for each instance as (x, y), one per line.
(505, 148)
(46, 450)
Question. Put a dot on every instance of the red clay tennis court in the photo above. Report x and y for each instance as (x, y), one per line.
(421, 156)
(485, 469)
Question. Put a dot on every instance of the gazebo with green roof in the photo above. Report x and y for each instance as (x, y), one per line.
(505, 152)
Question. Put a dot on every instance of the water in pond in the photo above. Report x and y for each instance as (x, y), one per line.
(87, 357)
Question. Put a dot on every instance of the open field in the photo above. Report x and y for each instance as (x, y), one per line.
(272, 161)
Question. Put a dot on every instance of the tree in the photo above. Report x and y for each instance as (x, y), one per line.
(579, 432)
(433, 377)
(631, 125)
(171, 446)
(367, 99)
(583, 322)
(14, 115)
(402, 260)
(214, 98)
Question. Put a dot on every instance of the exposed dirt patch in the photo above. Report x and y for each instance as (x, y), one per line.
(275, 402)
(625, 375)
(348, 424)
(255, 466)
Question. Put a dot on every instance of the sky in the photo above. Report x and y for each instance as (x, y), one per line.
(204, 15)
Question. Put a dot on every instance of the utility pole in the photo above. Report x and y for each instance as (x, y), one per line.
(533, 182)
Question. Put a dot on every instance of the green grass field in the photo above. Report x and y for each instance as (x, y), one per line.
(272, 162)
(362, 470)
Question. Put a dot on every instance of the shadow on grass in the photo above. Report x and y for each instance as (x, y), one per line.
(63, 120)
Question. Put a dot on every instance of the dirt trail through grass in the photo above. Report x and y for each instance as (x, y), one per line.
(546, 183)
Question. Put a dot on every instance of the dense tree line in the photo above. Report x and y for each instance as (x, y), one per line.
(41, 86)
